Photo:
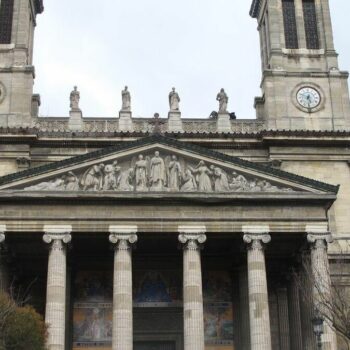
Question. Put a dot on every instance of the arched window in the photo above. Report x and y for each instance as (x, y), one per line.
(290, 24)
(310, 23)
(6, 16)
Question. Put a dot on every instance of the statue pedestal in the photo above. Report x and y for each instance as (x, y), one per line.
(224, 123)
(125, 121)
(75, 119)
(174, 121)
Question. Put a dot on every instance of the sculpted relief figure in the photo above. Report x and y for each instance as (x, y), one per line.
(203, 177)
(71, 182)
(223, 101)
(221, 183)
(141, 173)
(157, 178)
(92, 179)
(189, 182)
(74, 99)
(125, 180)
(238, 182)
(174, 174)
(126, 100)
(174, 100)
(110, 176)
(54, 185)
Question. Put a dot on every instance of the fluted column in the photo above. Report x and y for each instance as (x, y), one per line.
(296, 338)
(55, 316)
(283, 317)
(244, 308)
(3, 273)
(260, 331)
(192, 237)
(319, 239)
(122, 237)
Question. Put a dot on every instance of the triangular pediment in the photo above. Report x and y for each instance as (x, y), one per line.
(160, 165)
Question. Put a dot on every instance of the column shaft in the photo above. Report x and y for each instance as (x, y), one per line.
(122, 299)
(193, 300)
(55, 316)
(192, 287)
(283, 316)
(320, 269)
(260, 332)
(244, 308)
(3, 268)
(122, 237)
(296, 342)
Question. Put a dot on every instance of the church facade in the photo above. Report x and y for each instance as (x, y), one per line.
(176, 233)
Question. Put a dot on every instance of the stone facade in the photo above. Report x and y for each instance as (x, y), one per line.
(178, 233)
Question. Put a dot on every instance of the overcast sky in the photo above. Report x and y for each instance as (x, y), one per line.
(198, 46)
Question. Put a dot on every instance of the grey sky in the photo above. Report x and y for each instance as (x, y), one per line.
(198, 46)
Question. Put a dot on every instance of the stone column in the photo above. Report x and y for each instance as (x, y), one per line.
(283, 317)
(260, 332)
(122, 237)
(3, 272)
(296, 337)
(244, 308)
(192, 237)
(55, 316)
(319, 239)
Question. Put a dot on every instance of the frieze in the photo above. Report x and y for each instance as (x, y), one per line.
(157, 173)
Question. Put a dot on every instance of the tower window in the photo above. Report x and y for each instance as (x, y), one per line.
(310, 22)
(290, 24)
(6, 15)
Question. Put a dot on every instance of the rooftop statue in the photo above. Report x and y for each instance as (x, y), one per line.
(74, 99)
(174, 100)
(126, 99)
(223, 101)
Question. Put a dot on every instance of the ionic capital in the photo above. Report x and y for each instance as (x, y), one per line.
(192, 236)
(257, 241)
(58, 235)
(123, 236)
(319, 241)
(2, 233)
(318, 236)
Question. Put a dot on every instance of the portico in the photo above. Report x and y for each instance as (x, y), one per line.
(178, 268)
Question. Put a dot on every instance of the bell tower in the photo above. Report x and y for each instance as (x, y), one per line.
(17, 23)
(302, 85)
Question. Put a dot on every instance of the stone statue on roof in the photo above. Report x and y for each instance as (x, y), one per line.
(174, 100)
(223, 101)
(74, 99)
(126, 99)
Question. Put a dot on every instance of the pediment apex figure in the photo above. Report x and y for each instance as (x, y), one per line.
(174, 100)
(126, 99)
(223, 101)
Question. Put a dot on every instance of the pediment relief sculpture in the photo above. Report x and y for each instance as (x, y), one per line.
(158, 173)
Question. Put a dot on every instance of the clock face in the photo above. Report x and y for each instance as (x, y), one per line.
(308, 97)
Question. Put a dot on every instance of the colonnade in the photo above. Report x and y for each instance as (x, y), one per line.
(192, 239)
